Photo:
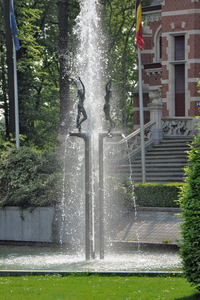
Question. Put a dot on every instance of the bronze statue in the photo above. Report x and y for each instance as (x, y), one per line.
(106, 107)
(81, 109)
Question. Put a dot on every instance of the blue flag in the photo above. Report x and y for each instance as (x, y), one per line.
(13, 25)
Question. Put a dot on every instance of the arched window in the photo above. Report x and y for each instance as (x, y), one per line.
(158, 44)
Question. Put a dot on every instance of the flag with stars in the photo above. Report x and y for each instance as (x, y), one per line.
(13, 25)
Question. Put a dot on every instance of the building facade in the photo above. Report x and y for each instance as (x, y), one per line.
(170, 67)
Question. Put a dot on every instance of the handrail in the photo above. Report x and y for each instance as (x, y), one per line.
(136, 132)
(130, 144)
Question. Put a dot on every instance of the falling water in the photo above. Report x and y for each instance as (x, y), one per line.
(89, 61)
(62, 204)
(89, 67)
(133, 194)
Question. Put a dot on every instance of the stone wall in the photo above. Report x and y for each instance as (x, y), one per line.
(26, 226)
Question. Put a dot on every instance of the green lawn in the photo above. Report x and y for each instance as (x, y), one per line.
(96, 287)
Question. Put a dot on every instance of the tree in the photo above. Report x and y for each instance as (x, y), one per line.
(121, 48)
(38, 71)
(11, 120)
(67, 12)
(42, 59)
(119, 23)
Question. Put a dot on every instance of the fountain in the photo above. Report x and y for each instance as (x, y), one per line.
(85, 232)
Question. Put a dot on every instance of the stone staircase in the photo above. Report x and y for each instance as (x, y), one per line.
(164, 162)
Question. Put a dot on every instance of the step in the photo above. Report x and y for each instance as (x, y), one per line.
(163, 163)
(155, 170)
(164, 157)
(161, 180)
(169, 150)
(175, 138)
(176, 146)
(166, 154)
(148, 166)
(155, 165)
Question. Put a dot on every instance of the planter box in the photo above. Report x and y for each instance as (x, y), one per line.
(25, 226)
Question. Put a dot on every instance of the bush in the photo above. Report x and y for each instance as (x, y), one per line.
(146, 194)
(29, 178)
(190, 203)
(157, 194)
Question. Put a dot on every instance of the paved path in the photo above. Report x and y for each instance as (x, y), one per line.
(152, 225)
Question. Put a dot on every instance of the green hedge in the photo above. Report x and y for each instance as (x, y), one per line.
(190, 204)
(157, 194)
(146, 194)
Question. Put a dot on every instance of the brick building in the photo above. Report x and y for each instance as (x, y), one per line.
(170, 66)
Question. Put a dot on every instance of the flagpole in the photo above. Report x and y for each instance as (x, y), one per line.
(15, 92)
(141, 117)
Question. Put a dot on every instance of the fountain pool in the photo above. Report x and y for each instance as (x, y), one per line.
(54, 259)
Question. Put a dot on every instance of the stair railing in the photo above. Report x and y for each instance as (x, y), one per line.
(130, 145)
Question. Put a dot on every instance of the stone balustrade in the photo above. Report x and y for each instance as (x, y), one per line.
(177, 126)
(129, 144)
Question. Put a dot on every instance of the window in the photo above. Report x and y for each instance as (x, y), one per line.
(179, 47)
(160, 46)
(179, 76)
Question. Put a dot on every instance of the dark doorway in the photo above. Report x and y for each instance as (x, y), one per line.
(180, 90)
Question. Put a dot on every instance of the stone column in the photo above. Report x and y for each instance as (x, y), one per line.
(156, 114)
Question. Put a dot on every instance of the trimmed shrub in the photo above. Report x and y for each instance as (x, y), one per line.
(157, 194)
(190, 203)
(146, 194)
(29, 178)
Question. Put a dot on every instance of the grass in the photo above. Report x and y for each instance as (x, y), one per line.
(94, 287)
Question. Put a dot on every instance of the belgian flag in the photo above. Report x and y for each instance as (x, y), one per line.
(138, 21)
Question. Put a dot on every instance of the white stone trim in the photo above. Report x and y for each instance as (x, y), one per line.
(195, 0)
(164, 34)
(194, 99)
(162, 2)
(183, 25)
(193, 80)
(145, 88)
(191, 60)
(154, 16)
(177, 62)
(155, 87)
(156, 43)
(138, 109)
(180, 12)
(146, 31)
(178, 33)
(154, 71)
(150, 51)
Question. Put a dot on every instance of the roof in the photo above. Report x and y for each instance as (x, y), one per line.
(155, 3)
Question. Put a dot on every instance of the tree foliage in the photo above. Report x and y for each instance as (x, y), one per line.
(29, 178)
(43, 69)
(119, 22)
(38, 71)
(190, 203)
